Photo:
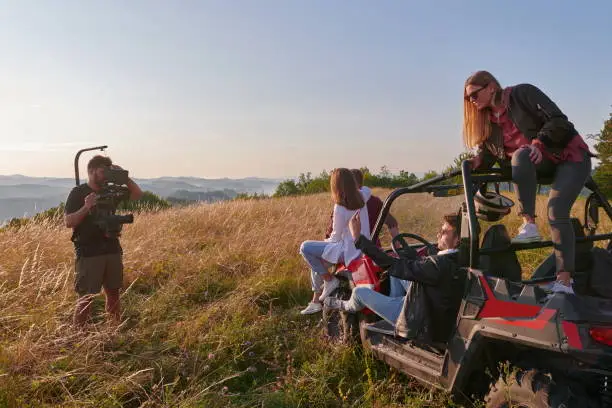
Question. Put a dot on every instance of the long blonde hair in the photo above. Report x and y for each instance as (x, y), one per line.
(344, 189)
(476, 123)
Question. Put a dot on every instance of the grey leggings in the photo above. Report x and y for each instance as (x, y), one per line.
(569, 178)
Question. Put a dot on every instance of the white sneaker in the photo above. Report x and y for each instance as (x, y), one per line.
(559, 287)
(312, 308)
(335, 303)
(527, 233)
(328, 287)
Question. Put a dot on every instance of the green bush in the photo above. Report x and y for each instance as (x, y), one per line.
(603, 172)
(148, 202)
(307, 184)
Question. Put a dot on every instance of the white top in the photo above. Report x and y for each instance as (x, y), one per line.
(341, 244)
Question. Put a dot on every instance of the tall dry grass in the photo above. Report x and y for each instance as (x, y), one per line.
(210, 315)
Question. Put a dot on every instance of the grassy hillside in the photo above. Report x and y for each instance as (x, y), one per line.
(211, 315)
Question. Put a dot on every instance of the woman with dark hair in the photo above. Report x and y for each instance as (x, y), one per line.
(521, 125)
(339, 246)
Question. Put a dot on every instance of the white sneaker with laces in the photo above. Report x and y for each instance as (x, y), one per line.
(328, 287)
(334, 303)
(559, 287)
(312, 308)
(527, 233)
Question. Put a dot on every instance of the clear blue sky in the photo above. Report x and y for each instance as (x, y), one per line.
(274, 88)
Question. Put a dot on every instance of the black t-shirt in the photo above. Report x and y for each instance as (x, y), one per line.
(88, 238)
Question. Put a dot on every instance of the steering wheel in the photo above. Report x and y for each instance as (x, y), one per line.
(406, 250)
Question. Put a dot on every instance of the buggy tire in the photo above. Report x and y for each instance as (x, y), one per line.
(350, 327)
(340, 325)
(528, 389)
(332, 323)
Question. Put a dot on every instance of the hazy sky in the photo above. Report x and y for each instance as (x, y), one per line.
(275, 88)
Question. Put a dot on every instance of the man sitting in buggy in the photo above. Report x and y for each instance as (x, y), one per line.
(439, 274)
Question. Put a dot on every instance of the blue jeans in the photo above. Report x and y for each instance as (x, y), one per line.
(569, 178)
(312, 251)
(386, 307)
(398, 287)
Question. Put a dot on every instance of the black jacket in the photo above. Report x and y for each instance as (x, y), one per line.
(537, 117)
(441, 276)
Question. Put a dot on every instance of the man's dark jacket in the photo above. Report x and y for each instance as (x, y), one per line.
(442, 280)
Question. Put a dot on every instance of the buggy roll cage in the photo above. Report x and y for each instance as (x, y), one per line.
(470, 227)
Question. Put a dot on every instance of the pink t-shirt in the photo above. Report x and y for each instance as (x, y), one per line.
(513, 138)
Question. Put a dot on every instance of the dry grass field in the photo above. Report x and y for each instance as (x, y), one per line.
(210, 315)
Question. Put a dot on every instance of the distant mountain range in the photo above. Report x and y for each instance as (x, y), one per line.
(23, 196)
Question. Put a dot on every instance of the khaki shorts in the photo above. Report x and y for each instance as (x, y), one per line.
(93, 272)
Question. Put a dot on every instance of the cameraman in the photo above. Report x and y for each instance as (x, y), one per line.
(98, 256)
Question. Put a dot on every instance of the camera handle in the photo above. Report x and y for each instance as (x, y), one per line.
(76, 160)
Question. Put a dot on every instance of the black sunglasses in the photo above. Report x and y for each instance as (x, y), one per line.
(472, 97)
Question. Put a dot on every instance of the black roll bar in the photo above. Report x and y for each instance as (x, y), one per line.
(468, 182)
(601, 198)
(415, 188)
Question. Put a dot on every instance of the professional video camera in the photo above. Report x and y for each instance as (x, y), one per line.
(112, 193)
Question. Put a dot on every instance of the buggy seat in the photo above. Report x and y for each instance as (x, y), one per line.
(504, 265)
